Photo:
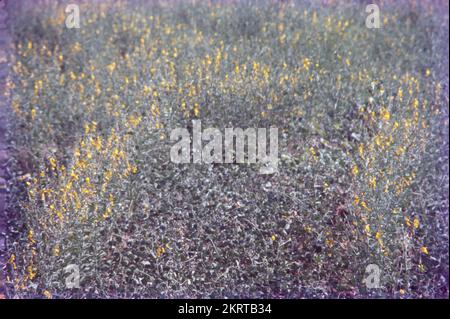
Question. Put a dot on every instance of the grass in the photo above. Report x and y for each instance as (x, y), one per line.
(362, 116)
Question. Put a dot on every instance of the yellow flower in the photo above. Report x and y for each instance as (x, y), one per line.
(424, 250)
(364, 205)
(367, 229)
(408, 222)
(355, 170)
(421, 268)
(107, 213)
(111, 67)
(385, 115)
(400, 94)
(378, 140)
(134, 120)
(52, 163)
(361, 150)
(356, 200)
(416, 223)
(30, 237)
(96, 142)
(373, 182)
(160, 251)
(273, 237)
(31, 272)
(378, 235)
(56, 251)
(400, 150)
(12, 261)
(196, 110)
(306, 63)
(396, 125)
(402, 291)
(47, 294)
(73, 175)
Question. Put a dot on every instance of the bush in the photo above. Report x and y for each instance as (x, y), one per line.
(363, 177)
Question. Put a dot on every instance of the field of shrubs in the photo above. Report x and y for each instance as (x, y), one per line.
(362, 116)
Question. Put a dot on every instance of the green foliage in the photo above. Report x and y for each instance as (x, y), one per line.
(363, 177)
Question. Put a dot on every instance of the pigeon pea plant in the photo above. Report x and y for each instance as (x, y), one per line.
(362, 116)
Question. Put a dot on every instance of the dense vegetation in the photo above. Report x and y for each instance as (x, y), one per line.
(362, 116)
